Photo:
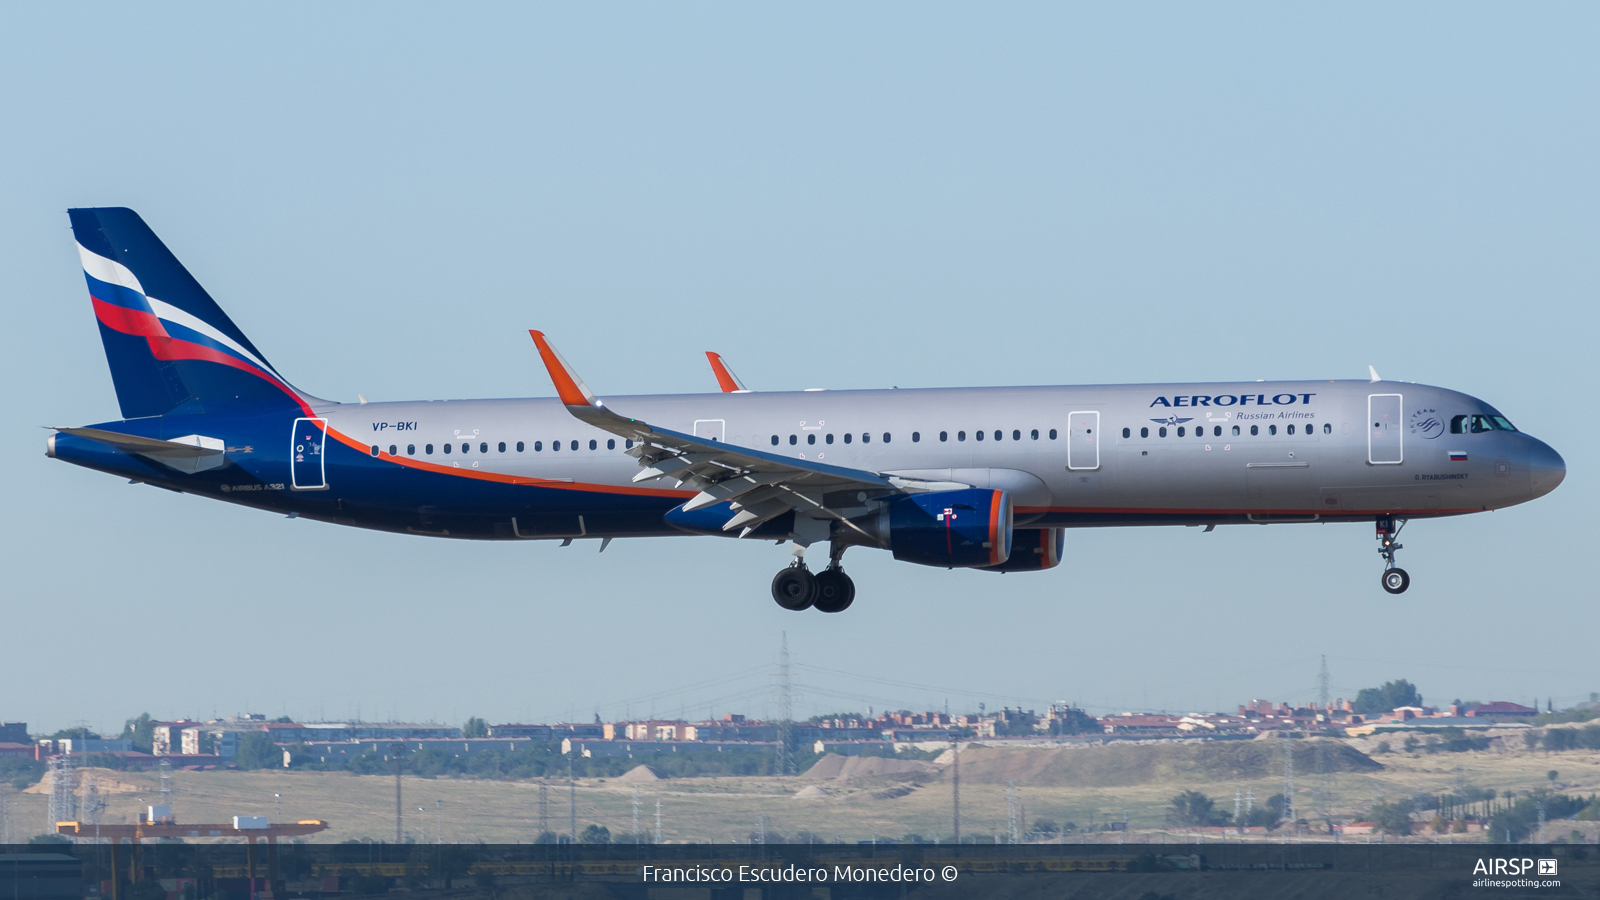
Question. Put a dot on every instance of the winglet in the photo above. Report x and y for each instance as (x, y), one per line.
(569, 387)
(1374, 373)
(728, 381)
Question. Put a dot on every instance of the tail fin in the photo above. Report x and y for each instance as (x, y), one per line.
(168, 343)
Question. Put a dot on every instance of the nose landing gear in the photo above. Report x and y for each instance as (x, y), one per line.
(1395, 579)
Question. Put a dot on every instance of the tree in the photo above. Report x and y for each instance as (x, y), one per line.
(142, 731)
(595, 834)
(257, 751)
(75, 734)
(1392, 695)
(1394, 817)
(1194, 808)
(475, 728)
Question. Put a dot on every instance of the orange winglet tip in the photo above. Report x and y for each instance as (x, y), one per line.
(726, 380)
(569, 387)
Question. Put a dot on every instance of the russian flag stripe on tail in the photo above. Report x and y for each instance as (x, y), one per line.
(168, 343)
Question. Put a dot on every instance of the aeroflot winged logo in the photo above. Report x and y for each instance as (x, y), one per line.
(1234, 400)
(1173, 420)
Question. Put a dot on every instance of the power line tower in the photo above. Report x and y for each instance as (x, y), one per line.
(1288, 781)
(636, 833)
(786, 760)
(572, 803)
(658, 820)
(63, 792)
(165, 768)
(544, 807)
(1011, 811)
(1322, 797)
(955, 791)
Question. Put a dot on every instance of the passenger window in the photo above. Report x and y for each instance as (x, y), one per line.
(1035, 434)
(1162, 431)
(944, 435)
(484, 447)
(1272, 429)
(627, 444)
(411, 449)
(848, 437)
(375, 450)
(428, 449)
(916, 437)
(594, 444)
(961, 435)
(1327, 428)
(997, 435)
(886, 437)
(1127, 432)
(1144, 432)
(502, 447)
(1016, 435)
(1052, 434)
(1458, 425)
(774, 440)
(611, 443)
(1235, 431)
(449, 447)
(980, 435)
(1291, 429)
(811, 438)
(1180, 431)
(828, 439)
(575, 445)
(1255, 429)
(555, 446)
(392, 449)
(793, 440)
(538, 446)
(866, 438)
(519, 446)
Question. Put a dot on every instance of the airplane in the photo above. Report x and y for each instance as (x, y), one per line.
(988, 479)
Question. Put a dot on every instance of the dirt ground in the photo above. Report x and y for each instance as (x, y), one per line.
(885, 805)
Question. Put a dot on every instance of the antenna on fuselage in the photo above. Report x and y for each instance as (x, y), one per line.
(1374, 373)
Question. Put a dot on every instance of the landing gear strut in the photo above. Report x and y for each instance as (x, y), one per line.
(1395, 579)
(835, 590)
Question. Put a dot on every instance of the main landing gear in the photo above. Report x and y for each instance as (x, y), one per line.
(830, 590)
(1395, 579)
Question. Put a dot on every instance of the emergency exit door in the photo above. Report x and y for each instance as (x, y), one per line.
(306, 469)
(1083, 441)
(1385, 438)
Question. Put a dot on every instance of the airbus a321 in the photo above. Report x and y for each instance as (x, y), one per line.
(981, 478)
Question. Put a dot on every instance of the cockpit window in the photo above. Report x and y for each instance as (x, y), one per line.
(1481, 424)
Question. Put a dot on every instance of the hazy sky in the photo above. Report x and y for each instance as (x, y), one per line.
(385, 197)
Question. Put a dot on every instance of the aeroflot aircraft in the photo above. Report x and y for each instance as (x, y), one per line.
(981, 478)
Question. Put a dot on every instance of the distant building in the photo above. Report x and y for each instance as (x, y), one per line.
(533, 732)
(14, 732)
(1502, 708)
(14, 750)
(1355, 828)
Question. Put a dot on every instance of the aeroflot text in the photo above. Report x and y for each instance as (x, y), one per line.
(1234, 400)
(787, 874)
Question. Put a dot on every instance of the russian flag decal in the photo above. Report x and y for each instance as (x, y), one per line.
(1458, 456)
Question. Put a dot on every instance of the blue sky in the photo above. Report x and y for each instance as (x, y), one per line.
(385, 197)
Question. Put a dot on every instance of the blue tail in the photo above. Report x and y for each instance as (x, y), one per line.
(170, 347)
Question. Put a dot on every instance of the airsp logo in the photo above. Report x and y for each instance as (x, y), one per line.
(1426, 424)
(1502, 866)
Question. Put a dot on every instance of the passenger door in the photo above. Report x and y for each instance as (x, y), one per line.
(306, 469)
(1385, 440)
(710, 429)
(1083, 441)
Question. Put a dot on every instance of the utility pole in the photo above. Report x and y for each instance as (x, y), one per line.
(572, 803)
(636, 815)
(658, 820)
(1011, 809)
(786, 761)
(544, 807)
(1288, 781)
(955, 792)
(399, 811)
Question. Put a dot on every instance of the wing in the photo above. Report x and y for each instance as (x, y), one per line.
(726, 380)
(759, 485)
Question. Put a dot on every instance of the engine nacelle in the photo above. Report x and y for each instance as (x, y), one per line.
(1033, 550)
(955, 529)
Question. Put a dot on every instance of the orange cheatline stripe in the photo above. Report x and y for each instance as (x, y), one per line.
(724, 378)
(501, 478)
(566, 386)
(1201, 511)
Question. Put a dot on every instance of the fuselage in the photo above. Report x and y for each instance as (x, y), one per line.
(1069, 456)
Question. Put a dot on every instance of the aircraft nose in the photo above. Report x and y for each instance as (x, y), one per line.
(1546, 468)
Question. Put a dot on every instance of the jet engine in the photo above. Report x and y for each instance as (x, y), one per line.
(967, 528)
(1033, 550)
